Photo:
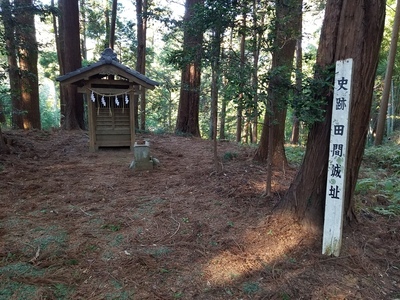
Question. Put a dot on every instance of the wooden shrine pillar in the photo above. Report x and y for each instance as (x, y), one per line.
(91, 121)
(132, 117)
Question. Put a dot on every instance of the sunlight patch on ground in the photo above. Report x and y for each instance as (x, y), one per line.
(259, 248)
(259, 186)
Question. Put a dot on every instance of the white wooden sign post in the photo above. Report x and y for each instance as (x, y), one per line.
(336, 181)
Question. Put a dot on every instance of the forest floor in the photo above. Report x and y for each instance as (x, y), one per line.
(81, 225)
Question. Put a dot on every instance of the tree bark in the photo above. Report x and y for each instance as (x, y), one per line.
(141, 15)
(188, 111)
(215, 70)
(348, 32)
(258, 36)
(111, 42)
(82, 10)
(2, 114)
(287, 29)
(13, 68)
(59, 38)
(107, 22)
(28, 59)
(239, 116)
(71, 58)
(3, 145)
(294, 139)
(380, 128)
(222, 119)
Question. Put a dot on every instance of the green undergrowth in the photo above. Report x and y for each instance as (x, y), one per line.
(294, 154)
(379, 179)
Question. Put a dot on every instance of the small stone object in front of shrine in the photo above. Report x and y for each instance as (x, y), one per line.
(143, 160)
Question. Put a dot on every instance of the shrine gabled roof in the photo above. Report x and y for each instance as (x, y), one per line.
(107, 65)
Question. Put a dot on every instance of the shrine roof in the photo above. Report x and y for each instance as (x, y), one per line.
(107, 65)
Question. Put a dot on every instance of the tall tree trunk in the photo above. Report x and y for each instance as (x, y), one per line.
(258, 36)
(225, 83)
(268, 186)
(107, 21)
(215, 70)
(347, 32)
(222, 120)
(3, 145)
(82, 10)
(239, 116)
(380, 128)
(287, 29)
(71, 58)
(139, 30)
(59, 38)
(28, 59)
(2, 114)
(141, 11)
(188, 111)
(113, 20)
(13, 69)
(294, 139)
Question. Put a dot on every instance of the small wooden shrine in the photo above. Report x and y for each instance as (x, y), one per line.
(109, 87)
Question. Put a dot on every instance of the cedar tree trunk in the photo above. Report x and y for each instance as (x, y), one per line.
(70, 42)
(294, 139)
(28, 59)
(239, 116)
(141, 15)
(287, 29)
(188, 111)
(351, 29)
(13, 69)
